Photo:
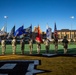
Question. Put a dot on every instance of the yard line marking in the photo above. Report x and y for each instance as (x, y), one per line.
(36, 62)
(49, 54)
(8, 66)
(31, 69)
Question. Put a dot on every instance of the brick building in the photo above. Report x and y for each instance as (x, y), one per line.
(71, 34)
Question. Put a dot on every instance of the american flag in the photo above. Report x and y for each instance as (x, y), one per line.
(55, 32)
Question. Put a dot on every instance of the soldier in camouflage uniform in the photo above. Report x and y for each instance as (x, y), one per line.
(22, 43)
(14, 45)
(3, 45)
(38, 47)
(47, 45)
(30, 45)
(56, 44)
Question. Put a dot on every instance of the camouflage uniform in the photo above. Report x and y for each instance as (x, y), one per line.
(38, 48)
(3, 45)
(14, 45)
(30, 45)
(47, 45)
(65, 44)
(56, 44)
(22, 43)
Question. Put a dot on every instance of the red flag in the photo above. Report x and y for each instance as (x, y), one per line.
(38, 38)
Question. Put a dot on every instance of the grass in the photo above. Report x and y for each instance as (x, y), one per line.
(71, 49)
(59, 65)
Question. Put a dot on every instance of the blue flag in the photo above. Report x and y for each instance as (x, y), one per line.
(48, 33)
(19, 31)
(29, 29)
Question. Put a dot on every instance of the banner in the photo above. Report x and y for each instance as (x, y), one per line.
(19, 31)
(11, 34)
(38, 37)
(48, 33)
(29, 29)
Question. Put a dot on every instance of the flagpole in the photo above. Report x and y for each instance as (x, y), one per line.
(72, 17)
(6, 22)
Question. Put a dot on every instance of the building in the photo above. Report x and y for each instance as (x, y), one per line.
(71, 34)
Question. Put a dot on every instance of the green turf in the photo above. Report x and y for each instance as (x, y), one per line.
(71, 49)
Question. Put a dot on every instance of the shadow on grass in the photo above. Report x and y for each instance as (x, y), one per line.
(70, 53)
(60, 52)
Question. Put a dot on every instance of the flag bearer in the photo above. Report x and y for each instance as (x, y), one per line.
(47, 45)
(30, 45)
(14, 45)
(56, 44)
(22, 43)
(3, 45)
(38, 47)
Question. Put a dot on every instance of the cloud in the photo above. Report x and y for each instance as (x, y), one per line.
(72, 17)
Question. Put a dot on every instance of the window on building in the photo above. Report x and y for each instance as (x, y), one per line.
(72, 35)
(62, 35)
(67, 36)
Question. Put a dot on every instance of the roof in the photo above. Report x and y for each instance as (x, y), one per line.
(67, 30)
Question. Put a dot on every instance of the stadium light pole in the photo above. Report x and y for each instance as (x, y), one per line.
(6, 22)
(72, 17)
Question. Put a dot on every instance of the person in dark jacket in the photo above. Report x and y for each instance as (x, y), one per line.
(65, 44)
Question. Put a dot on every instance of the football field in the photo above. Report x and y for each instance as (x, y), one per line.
(71, 49)
(38, 64)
